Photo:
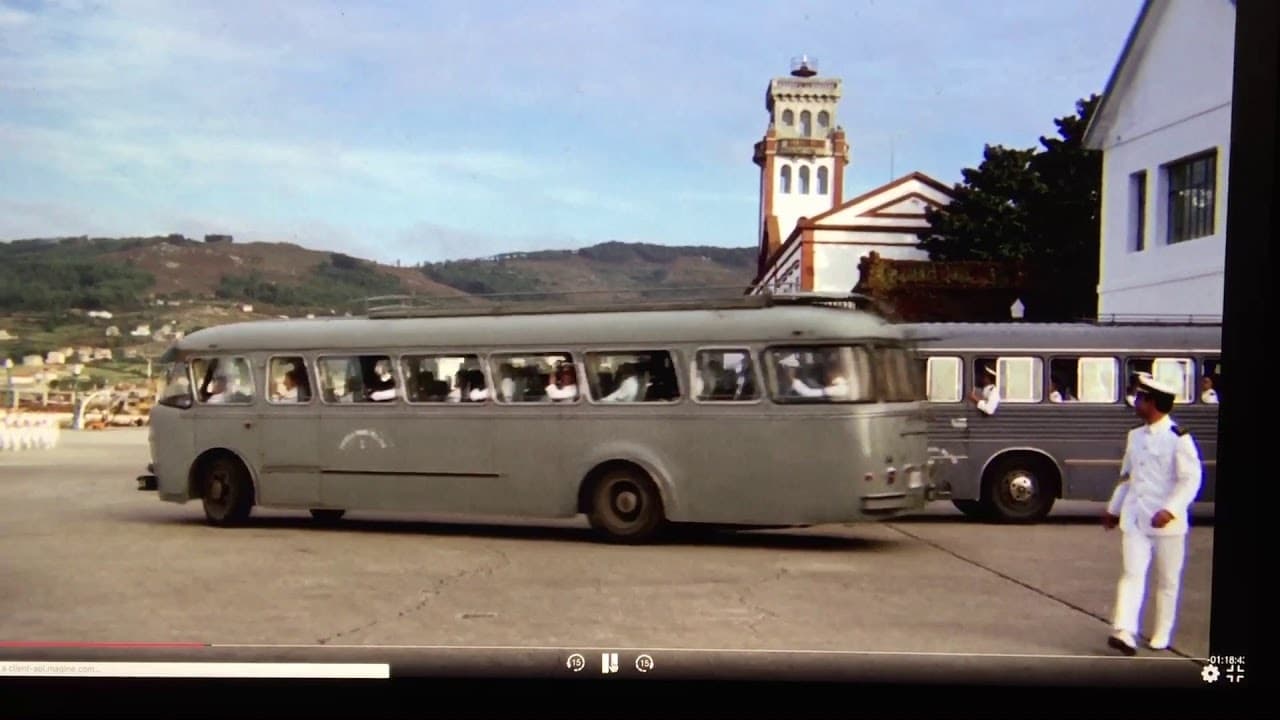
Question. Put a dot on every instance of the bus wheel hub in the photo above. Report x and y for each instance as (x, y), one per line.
(1021, 488)
(626, 502)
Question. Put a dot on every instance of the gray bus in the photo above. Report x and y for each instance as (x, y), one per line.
(763, 411)
(1062, 408)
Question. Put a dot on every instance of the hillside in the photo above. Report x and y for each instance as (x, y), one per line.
(46, 285)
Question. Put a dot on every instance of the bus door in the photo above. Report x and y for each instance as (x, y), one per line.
(950, 416)
(289, 432)
(225, 413)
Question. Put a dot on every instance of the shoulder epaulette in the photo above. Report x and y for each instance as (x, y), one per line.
(1179, 431)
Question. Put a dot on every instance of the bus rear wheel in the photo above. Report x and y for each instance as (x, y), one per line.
(226, 491)
(625, 506)
(326, 515)
(1019, 490)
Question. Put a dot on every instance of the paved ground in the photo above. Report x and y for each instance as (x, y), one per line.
(86, 557)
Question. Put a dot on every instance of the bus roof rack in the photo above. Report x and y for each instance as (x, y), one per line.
(579, 301)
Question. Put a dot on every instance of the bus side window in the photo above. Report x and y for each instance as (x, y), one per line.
(544, 377)
(287, 381)
(1098, 379)
(443, 378)
(944, 378)
(1177, 371)
(357, 379)
(1020, 379)
(1210, 390)
(225, 381)
(637, 376)
(723, 376)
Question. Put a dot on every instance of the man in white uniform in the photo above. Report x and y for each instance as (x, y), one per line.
(1159, 479)
(989, 399)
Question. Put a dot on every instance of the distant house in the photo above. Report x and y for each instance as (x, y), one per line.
(217, 238)
(113, 331)
(102, 314)
(102, 353)
(143, 330)
(4, 335)
(246, 308)
(176, 238)
(67, 352)
(84, 354)
(32, 361)
(131, 353)
(53, 357)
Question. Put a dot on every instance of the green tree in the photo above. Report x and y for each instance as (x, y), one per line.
(1038, 206)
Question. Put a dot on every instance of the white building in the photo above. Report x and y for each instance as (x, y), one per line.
(141, 331)
(1164, 126)
(811, 239)
(53, 357)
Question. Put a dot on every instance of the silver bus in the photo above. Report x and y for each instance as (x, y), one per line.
(1063, 408)
(756, 412)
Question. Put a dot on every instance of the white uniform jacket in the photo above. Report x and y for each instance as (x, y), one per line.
(1161, 470)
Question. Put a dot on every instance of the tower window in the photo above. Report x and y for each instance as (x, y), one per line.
(788, 118)
(824, 120)
(804, 180)
(822, 181)
(806, 124)
(784, 180)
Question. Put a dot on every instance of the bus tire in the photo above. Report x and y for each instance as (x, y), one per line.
(226, 490)
(625, 506)
(1019, 489)
(327, 515)
(971, 508)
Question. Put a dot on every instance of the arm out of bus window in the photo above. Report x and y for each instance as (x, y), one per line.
(990, 400)
(1186, 463)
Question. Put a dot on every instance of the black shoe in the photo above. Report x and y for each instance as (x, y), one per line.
(1122, 646)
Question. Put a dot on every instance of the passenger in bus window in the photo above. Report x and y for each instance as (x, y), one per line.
(662, 383)
(1060, 393)
(989, 398)
(564, 387)
(507, 382)
(294, 387)
(383, 387)
(628, 385)
(476, 389)
(1208, 395)
(218, 389)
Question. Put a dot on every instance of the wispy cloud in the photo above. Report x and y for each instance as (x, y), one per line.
(507, 122)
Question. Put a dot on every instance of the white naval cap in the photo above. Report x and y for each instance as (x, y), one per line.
(790, 361)
(1146, 381)
(991, 371)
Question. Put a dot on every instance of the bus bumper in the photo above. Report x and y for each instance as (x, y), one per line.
(148, 481)
(894, 503)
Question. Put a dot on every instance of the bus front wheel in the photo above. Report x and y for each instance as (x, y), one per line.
(1019, 489)
(625, 506)
(226, 491)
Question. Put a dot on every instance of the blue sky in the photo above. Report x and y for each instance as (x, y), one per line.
(427, 131)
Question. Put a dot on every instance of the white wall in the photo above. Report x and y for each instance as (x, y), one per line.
(1176, 103)
(790, 207)
(835, 267)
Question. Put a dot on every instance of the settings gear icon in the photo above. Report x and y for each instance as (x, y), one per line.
(1209, 673)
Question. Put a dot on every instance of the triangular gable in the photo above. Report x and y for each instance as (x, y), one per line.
(905, 198)
(1136, 98)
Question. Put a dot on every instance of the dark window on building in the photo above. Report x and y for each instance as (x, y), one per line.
(1192, 185)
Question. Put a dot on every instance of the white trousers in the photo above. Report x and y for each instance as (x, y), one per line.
(1170, 552)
